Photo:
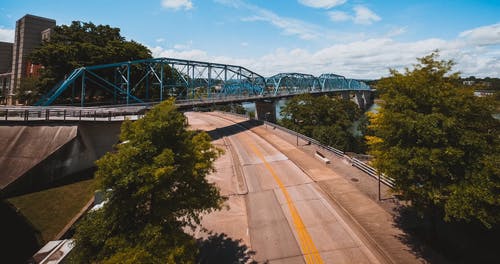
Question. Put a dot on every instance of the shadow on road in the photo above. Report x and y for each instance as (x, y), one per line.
(233, 129)
(219, 248)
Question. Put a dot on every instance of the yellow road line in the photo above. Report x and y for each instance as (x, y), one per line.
(311, 253)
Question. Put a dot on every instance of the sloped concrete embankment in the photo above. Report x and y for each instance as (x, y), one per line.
(34, 156)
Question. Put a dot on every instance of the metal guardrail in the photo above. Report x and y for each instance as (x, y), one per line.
(354, 162)
(113, 112)
(68, 114)
(372, 172)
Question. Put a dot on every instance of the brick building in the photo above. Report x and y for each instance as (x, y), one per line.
(29, 33)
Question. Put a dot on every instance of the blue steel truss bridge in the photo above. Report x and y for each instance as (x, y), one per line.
(190, 82)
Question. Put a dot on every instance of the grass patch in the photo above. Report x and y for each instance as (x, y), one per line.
(50, 210)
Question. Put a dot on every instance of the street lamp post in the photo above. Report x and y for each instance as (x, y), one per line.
(296, 132)
(266, 117)
(379, 195)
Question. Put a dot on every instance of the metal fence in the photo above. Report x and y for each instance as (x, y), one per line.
(68, 114)
(114, 112)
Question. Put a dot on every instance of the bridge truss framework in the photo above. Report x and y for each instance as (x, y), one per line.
(151, 80)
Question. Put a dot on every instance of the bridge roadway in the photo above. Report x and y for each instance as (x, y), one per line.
(274, 207)
(120, 112)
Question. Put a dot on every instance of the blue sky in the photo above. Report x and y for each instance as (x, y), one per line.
(355, 38)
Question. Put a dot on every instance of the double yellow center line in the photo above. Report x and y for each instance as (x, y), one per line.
(307, 246)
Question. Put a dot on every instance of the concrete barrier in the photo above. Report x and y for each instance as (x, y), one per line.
(36, 155)
(321, 157)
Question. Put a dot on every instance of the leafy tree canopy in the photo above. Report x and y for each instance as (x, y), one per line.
(82, 44)
(234, 108)
(439, 142)
(157, 188)
(329, 120)
(26, 90)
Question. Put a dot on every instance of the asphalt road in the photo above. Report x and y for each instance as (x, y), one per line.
(274, 208)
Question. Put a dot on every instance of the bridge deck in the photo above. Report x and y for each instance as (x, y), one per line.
(121, 112)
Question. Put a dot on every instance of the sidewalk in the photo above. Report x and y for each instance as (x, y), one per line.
(377, 224)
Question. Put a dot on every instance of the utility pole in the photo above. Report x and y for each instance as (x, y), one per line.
(379, 195)
(266, 117)
(297, 133)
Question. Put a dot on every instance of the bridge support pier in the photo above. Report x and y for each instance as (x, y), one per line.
(345, 95)
(360, 100)
(265, 110)
(367, 95)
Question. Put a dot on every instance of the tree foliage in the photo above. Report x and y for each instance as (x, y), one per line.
(439, 142)
(329, 120)
(82, 44)
(27, 90)
(156, 188)
(233, 108)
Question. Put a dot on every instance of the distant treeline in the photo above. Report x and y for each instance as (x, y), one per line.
(487, 83)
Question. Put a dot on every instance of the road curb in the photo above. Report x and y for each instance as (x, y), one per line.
(241, 187)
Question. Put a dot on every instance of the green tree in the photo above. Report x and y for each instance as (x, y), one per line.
(439, 142)
(156, 188)
(82, 44)
(233, 108)
(28, 90)
(324, 118)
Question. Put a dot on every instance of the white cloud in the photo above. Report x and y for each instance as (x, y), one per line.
(395, 32)
(159, 40)
(7, 35)
(244, 44)
(177, 4)
(194, 54)
(339, 16)
(362, 15)
(232, 3)
(290, 26)
(364, 59)
(184, 46)
(326, 4)
(482, 36)
(180, 46)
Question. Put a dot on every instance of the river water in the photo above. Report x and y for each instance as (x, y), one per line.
(250, 107)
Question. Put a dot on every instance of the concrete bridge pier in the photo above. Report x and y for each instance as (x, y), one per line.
(367, 95)
(363, 99)
(265, 110)
(360, 100)
(345, 95)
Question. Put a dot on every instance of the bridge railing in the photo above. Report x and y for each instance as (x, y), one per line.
(114, 112)
(339, 153)
(68, 114)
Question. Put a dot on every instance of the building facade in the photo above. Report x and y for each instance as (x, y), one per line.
(29, 33)
(5, 69)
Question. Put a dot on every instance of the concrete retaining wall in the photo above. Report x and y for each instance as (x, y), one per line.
(35, 156)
